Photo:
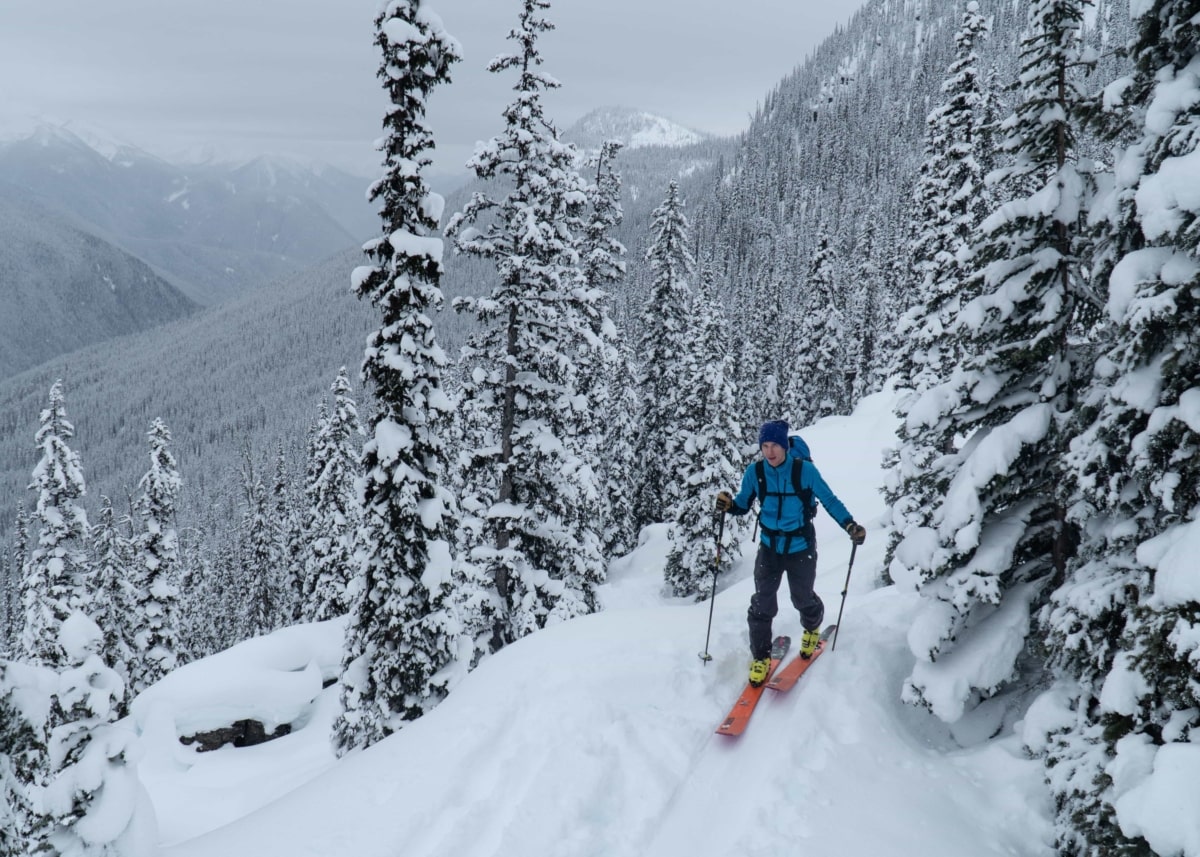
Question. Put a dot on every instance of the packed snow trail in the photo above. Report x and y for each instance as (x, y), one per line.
(595, 738)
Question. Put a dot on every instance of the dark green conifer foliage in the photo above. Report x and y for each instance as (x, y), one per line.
(664, 328)
(399, 639)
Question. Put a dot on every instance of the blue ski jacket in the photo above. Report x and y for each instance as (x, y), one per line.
(781, 512)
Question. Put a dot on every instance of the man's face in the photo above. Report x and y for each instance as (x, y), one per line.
(773, 453)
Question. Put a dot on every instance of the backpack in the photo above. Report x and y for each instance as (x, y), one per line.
(800, 454)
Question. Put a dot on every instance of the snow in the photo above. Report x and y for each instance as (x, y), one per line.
(1164, 198)
(986, 658)
(360, 275)
(1173, 555)
(1164, 806)
(1123, 686)
(1189, 408)
(398, 32)
(417, 246)
(273, 679)
(391, 439)
(78, 636)
(994, 454)
(595, 736)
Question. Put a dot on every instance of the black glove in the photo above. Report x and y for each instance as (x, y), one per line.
(858, 533)
(724, 501)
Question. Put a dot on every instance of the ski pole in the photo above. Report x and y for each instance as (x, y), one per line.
(712, 600)
(845, 589)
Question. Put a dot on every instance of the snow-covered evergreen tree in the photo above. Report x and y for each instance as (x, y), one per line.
(115, 610)
(600, 253)
(208, 608)
(817, 379)
(285, 526)
(997, 537)
(54, 581)
(951, 201)
(25, 697)
(301, 582)
(91, 804)
(330, 567)
(531, 481)
(605, 371)
(258, 566)
(1124, 624)
(870, 316)
(8, 610)
(708, 453)
(768, 364)
(401, 637)
(620, 464)
(18, 557)
(155, 573)
(229, 591)
(662, 342)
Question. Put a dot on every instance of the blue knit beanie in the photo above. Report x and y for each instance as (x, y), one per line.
(775, 431)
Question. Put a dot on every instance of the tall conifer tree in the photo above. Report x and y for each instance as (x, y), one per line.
(115, 611)
(662, 342)
(257, 573)
(400, 636)
(1125, 623)
(818, 384)
(17, 559)
(54, 580)
(156, 568)
(331, 573)
(998, 538)
(605, 370)
(707, 452)
(523, 394)
(951, 202)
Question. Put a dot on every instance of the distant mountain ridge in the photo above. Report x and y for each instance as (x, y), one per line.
(62, 288)
(214, 230)
(634, 129)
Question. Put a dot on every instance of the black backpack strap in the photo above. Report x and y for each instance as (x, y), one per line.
(807, 529)
(808, 502)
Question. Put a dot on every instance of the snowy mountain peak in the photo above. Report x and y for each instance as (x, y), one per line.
(74, 136)
(634, 128)
(275, 169)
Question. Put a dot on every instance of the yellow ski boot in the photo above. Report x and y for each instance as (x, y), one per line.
(808, 643)
(758, 671)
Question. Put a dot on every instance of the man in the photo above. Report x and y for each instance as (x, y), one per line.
(784, 547)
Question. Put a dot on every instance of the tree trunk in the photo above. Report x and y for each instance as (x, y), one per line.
(507, 424)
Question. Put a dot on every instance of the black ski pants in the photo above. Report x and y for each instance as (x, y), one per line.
(769, 569)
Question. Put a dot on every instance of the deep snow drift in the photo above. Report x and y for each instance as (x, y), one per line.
(596, 737)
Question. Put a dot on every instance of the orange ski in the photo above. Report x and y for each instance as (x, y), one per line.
(739, 715)
(784, 679)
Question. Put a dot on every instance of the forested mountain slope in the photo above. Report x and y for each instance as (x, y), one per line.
(236, 376)
(216, 230)
(63, 289)
(834, 151)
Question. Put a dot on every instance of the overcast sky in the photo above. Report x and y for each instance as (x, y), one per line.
(298, 76)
